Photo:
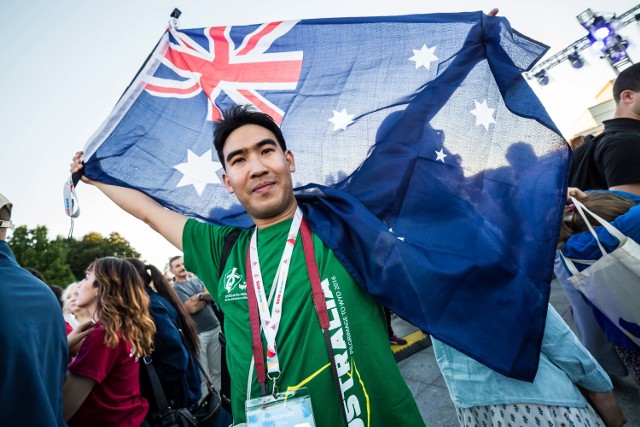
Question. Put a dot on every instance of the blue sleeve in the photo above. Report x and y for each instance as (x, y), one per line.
(564, 350)
(169, 355)
(584, 246)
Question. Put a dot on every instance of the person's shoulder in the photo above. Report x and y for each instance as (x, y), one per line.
(14, 274)
(617, 143)
(159, 305)
(194, 285)
(194, 225)
(186, 288)
(620, 129)
(96, 337)
(178, 286)
(195, 281)
(622, 138)
(155, 300)
(199, 235)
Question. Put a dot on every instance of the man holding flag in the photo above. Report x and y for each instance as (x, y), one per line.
(444, 221)
(351, 376)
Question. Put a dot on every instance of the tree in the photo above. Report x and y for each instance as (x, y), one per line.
(92, 246)
(33, 249)
(62, 261)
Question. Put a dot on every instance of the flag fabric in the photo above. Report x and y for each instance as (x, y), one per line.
(423, 158)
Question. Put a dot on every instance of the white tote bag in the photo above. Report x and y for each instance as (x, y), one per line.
(611, 283)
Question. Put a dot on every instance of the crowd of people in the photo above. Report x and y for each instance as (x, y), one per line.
(83, 357)
(605, 178)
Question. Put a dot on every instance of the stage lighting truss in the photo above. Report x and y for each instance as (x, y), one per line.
(602, 37)
(575, 59)
(542, 77)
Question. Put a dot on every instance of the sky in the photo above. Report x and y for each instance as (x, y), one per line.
(66, 63)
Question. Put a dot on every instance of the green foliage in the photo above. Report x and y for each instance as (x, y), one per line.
(62, 260)
(93, 246)
(33, 249)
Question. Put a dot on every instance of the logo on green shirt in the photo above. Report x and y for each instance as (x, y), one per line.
(235, 285)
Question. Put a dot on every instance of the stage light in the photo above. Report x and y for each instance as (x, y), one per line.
(602, 33)
(576, 60)
(543, 78)
(616, 49)
(600, 28)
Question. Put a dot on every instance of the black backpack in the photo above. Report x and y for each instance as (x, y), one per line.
(225, 380)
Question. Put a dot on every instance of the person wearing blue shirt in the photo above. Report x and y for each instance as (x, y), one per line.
(583, 246)
(566, 370)
(176, 369)
(33, 342)
(568, 386)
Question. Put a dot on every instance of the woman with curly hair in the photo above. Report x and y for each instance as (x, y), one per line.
(102, 387)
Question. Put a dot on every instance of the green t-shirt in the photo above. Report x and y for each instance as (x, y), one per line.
(373, 389)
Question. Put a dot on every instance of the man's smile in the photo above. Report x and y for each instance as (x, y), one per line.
(263, 187)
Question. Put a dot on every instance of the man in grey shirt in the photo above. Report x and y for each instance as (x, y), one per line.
(197, 301)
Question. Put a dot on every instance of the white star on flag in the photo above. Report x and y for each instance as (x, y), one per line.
(341, 119)
(198, 171)
(484, 114)
(399, 238)
(440, 155)
(424, 56)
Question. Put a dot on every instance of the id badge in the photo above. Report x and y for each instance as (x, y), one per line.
(288, 409)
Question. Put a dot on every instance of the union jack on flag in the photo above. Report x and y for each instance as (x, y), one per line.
(220, 67)
(438, 177)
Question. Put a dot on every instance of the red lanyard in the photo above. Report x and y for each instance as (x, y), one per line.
(316, 294)
(320, 304)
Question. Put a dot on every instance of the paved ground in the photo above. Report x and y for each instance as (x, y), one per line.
(427, 385)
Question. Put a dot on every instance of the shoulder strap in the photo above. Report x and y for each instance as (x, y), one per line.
(229, 240)
(158, 392)
(582, 209)
(164, 410)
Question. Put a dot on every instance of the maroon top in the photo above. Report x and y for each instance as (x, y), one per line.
(115, 400)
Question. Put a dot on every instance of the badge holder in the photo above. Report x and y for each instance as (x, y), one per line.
(288, 409)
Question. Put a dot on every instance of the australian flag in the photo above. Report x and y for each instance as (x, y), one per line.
(423, 158)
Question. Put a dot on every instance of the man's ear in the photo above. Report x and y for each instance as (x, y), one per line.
(626, 96)
(290, 159)
(227, 182)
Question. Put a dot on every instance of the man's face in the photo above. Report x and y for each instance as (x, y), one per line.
(178, 270)
(258, 172)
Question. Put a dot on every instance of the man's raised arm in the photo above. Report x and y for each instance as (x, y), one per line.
(166, 222)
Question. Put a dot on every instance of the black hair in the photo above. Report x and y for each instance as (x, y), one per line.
(238, 116)
(151, 275)
(35, 273)
(57, 291)
(628, 79)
